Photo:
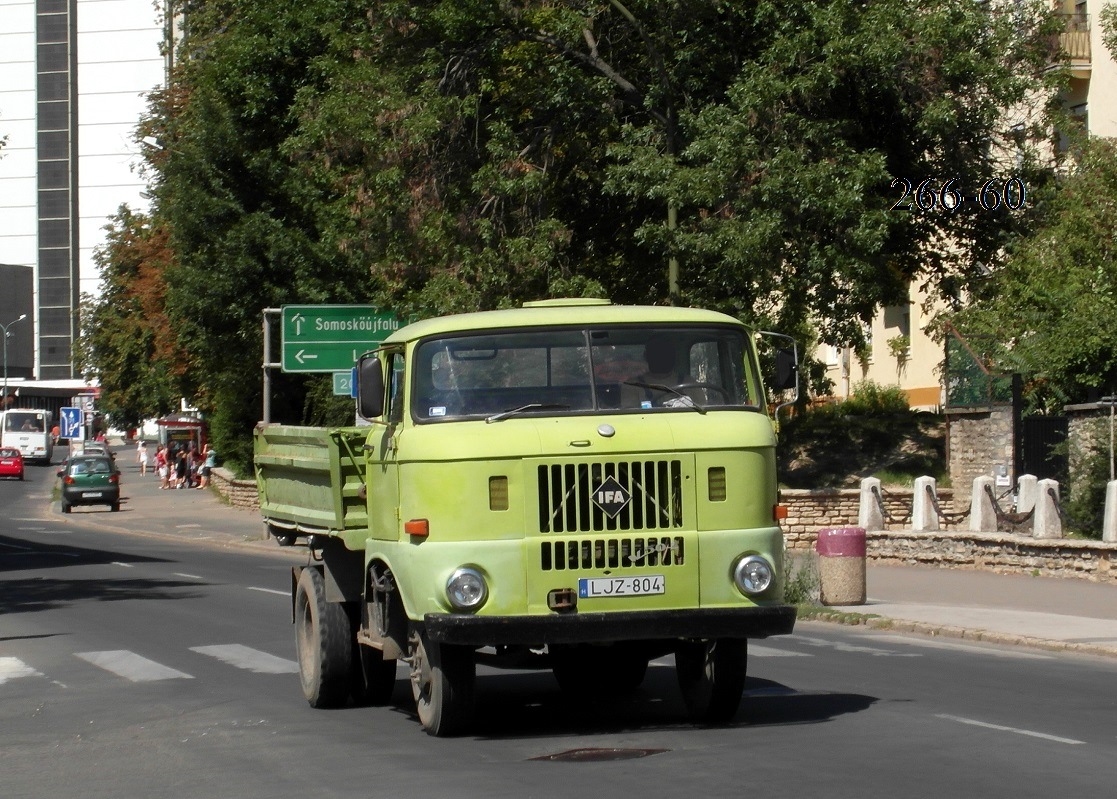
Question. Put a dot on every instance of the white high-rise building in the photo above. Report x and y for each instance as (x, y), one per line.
(74, 76)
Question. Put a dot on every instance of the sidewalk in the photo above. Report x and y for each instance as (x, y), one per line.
(1041, 612)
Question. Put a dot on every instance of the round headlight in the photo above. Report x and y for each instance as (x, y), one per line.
(466, 589)
(753, 575)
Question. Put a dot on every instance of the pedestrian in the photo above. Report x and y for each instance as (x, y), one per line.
(181, 469)
(162, 467)
(141, 457)
(208, 465)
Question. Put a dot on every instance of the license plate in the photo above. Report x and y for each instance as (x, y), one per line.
(91, 494)
(643, 585)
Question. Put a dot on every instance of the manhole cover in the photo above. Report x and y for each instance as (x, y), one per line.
(598, 755)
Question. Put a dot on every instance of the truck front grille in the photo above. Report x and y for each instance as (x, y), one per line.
(611, 553)
(566, 502)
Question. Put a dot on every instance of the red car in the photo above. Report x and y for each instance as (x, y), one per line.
(11, 463)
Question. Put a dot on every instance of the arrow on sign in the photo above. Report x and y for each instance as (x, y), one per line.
(302, 356)
(298, 319)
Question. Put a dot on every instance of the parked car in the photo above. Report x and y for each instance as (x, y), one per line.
(90, 480)
(11, 462)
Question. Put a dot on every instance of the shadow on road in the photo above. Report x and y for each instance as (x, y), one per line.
(530, 705)
(34, 594)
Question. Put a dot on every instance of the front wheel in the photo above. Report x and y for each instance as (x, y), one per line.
(323, 640)
(712, 678)
(442, 681)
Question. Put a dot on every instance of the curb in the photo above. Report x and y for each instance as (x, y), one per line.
(930, 630)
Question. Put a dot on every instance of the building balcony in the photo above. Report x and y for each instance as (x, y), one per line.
(1073, 44)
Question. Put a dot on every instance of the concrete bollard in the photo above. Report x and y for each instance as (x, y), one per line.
(841, 565)
(869, 516)
(1109, 526)
(983, 516)
(1046, 518)
(1027, 491)
(924, 517)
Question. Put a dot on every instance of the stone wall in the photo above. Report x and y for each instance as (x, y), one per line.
(978, 440)
(238, 493)
(810, 510)
(1000, 552)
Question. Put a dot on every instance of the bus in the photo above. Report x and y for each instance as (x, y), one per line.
(28, 430)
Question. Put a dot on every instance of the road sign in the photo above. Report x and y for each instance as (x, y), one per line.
(330, 338)
(345, 383)
(69, 424)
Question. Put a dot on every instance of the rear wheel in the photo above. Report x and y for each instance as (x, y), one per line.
(65, 507)
(442, 681)
(712, 678)
(323, 640)
(115, 507)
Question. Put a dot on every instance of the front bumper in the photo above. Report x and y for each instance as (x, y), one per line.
(589, 628)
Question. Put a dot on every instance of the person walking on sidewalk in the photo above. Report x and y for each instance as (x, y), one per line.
(141, 457)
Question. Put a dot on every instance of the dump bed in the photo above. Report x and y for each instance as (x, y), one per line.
(309, 478)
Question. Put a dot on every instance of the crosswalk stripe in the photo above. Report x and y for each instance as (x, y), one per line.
(11, 668)
(132, 666)
(244, 657)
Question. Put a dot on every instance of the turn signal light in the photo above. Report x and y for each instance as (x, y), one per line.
(417, 528)
(779, 512)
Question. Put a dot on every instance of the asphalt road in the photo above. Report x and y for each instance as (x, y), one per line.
(134, 666)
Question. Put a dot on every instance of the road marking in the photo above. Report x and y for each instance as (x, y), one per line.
(132, 666)
(1001, 728)
(981, 650)
(841, 646)
(32, 529)
(244, 657)
(269, 590)
(11, 668)
(185, 526)
(761, 651)
(125, 565)
(190, 576)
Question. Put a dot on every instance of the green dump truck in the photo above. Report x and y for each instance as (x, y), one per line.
(571, 485)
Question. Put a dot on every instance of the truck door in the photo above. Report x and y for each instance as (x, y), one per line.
(383, 469)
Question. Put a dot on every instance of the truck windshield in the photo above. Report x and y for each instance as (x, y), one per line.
(584, 370)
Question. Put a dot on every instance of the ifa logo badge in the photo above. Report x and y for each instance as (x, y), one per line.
(611, 497)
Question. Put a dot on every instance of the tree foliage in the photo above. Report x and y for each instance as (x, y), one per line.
(454, 155)
(1049, 307)
(128, 343)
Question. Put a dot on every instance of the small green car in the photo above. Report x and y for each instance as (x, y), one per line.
(90, 480)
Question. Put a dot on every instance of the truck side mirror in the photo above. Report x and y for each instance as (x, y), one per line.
(370, 387)
(787, 370)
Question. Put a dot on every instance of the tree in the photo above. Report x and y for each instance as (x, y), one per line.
(452, 155)
(1049, 307)
(127, 344)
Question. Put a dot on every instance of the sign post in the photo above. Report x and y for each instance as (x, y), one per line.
(330, 338)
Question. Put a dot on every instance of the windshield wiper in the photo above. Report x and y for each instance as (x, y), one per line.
(688, 401)
(531, 406)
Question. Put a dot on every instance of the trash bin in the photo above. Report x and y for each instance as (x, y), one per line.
(841, 565)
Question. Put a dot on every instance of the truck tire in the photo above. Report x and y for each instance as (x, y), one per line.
(712, 678)
(323, 640)
(442, 681)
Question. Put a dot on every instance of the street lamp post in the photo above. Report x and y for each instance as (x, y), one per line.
(6, 334)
